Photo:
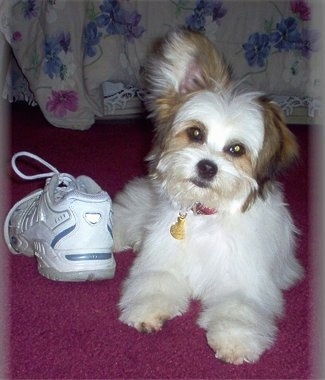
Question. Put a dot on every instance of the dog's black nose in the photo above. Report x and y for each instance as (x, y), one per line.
(207, 169)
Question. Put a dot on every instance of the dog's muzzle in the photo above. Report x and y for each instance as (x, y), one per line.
(206, 171)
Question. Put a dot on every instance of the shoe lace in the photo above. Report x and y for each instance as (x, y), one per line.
(66, 183)
(36, 158)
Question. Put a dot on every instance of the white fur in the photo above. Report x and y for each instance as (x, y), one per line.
(237, 263)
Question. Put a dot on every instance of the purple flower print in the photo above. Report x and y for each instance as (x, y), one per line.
(218, 11)
(52, 64)
(309, 42)
(110, 6)
(203, 9)
(129, 22)
(53, 45)
(91, 38)
(30, 9)
(196, 22)
(257, 49)
(289, 35)
(286, 35)
(17, 36)
(64, 40)
(301, 8)
(107, 19)
(119, 21)
(62, 102)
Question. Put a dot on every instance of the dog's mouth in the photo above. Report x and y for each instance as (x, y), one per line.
(200, 183)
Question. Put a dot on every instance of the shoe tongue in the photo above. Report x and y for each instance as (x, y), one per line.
(67, 183)
(62, 184)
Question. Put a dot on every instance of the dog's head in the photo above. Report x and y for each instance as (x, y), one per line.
(214, 144)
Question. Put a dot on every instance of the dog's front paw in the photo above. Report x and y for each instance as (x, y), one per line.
(144, 321)
(147, 314)
(153, 325)
(151, 298)
(237, 344)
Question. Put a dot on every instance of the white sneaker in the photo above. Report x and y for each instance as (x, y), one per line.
(67, 226)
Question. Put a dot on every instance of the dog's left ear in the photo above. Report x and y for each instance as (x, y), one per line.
(181, 63)
(280, 147)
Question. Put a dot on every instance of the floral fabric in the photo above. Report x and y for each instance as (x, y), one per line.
(64, 50)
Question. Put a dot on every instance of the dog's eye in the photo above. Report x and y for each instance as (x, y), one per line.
(195, 134)
(236, 150)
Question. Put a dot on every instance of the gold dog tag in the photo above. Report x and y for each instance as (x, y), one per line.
(177, 230)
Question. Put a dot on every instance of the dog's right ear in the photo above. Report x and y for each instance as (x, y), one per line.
(181, 63)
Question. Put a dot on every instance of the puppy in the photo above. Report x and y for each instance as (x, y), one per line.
(209, 221)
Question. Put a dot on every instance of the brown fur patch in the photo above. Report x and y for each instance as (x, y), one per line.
(244, 164)
(279, 149)
(249, 201)
(183, 138)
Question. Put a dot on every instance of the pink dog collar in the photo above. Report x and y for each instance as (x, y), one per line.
(200, 209)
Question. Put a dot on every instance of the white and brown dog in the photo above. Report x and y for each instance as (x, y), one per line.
(209, 221)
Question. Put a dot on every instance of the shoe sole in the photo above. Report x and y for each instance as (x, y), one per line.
(77, 276)
(102, 269)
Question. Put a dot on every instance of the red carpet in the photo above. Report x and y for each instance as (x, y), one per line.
(71, 330)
